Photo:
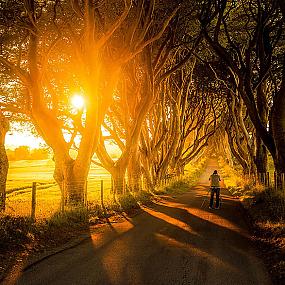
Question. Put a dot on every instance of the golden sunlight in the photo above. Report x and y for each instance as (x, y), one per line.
(77, 101)
(16, 139)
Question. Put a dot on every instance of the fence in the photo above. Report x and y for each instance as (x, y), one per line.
(42, 199)
(39, 200)
(275, 180)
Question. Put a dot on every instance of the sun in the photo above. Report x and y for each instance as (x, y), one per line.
(77, 101)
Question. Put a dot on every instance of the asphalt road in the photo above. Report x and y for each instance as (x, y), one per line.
(174, 242)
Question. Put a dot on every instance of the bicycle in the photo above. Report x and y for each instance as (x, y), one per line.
(208, 195)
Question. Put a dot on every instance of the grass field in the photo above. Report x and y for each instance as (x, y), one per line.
(23, 173)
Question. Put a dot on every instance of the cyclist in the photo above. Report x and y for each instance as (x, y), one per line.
(215, 189)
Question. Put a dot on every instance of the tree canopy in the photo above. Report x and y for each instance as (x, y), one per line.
(158, 78)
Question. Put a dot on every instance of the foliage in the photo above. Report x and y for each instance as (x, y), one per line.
(72, 217)
(184, 183)
(14, 231)
(143, 197)
(266, 210)
(177, 187)
(232, 177)
(269, 203)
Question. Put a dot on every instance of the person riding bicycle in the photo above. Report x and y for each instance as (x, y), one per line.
(215, 189)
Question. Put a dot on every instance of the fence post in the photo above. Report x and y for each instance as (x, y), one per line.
(33, 211)
(2, 197)
(62, 203)
(62, 199)
(102, 194)
(275, 180)
(85, 193)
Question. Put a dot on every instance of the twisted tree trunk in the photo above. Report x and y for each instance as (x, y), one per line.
(261, 150)
(4, 164)
(135, 173)
(118, 178)
(278, 126)
(71, 181)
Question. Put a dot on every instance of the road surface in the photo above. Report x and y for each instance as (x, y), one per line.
(174, 242)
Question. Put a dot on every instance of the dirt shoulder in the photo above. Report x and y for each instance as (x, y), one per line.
(269, 237)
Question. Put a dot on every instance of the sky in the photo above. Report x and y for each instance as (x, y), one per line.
(22, 135)
(15, 139)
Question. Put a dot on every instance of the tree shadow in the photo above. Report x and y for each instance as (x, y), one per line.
(171, 243)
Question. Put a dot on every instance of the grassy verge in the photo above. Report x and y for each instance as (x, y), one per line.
(19, 237)
(184, 183)
(266, 211)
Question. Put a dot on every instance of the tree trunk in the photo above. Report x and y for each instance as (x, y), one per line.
(4, 164)
(262, 107)
(119, 182)
(72, 183)
(235, 153)
(148, 179)
(135, 174)
(278, 127)
(179, 169)
(261, 156)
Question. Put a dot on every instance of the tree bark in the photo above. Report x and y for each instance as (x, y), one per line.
(278, 126)
(261, 156)
(4, 164)
(119, 182)
(235, 153)
(262, 107)
(72, 183)
(134, 173)
(179, 170)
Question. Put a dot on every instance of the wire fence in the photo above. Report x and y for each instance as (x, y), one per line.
(272, 180)
(41, 200)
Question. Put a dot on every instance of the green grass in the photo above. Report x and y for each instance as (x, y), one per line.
(23, 173)
(267, 206)
(73, 217)
(266, 210)
(17, 231)
(184, 183)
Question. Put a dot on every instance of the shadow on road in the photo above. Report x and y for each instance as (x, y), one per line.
(173, 242)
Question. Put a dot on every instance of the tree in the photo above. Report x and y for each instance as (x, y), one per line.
(249, 58)
(135, 97)
(62, 46)
(22, 152)
(4, 164)
(202, 110)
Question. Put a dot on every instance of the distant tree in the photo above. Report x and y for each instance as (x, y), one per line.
(10, 154)
(22, 153)
(39, 153)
